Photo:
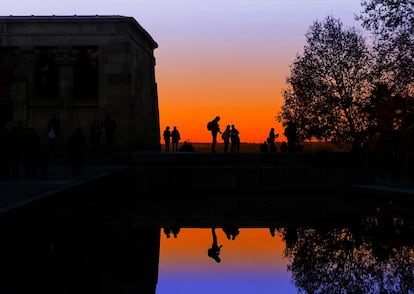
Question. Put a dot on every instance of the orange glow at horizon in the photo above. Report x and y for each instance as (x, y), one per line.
(253, 262)
(231, 58)
(227, 58)
(251, 246)
(242, 97)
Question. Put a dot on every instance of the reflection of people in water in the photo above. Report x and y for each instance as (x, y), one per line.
(231, 231)
(272, 230)
(167, 232)
(175, 230)
(214, 251)
(171, 230)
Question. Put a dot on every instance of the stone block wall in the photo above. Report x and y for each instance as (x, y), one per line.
(81, 68)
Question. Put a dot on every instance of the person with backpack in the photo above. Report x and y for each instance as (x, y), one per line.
(214, 128)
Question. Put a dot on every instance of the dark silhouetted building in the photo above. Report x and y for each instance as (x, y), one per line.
(80, 68)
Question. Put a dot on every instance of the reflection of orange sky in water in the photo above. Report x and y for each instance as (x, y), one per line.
(252, 248)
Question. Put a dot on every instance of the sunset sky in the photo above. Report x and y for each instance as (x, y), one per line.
(215, 57)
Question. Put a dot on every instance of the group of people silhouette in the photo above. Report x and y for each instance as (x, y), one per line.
(173, 137)
(230, 136)
(174, 230)
(22, 147)
(77, 144)
(26, 148)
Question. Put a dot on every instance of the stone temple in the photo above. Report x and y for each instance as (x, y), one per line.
(81, 69)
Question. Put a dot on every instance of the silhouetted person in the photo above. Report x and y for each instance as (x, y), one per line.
(214, 251)
(234, 139)
(175, 138)
(292, 136)
(264, 147)
(214, 129)
(231, 231)
(283, 147)
(272, 136)
(110, 127)
(271, 140)
(186, 147)
(175, 230)
(166, 134)
(272, 230)
(226, 138)
(76, 151)
(167, 232)
(95, 134)
(171, 230)
(53, 132)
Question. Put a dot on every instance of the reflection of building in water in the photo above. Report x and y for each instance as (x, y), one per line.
(81, 68)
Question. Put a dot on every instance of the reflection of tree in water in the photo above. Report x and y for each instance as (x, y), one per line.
(376, 257)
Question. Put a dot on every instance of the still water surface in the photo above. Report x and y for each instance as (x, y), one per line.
(372, 255)
(253, 262)
(359, 242)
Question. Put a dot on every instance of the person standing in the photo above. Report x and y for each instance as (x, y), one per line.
(235, 139)
(226, 138)
(214, 127)
(272, 136)
(53, 132)
(292, 137)
(263, 147)
(175, 138)
(271, 140)
(167, 138)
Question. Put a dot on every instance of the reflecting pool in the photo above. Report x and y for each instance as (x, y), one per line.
(354, 242)
(253, 262)
(371, 254)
